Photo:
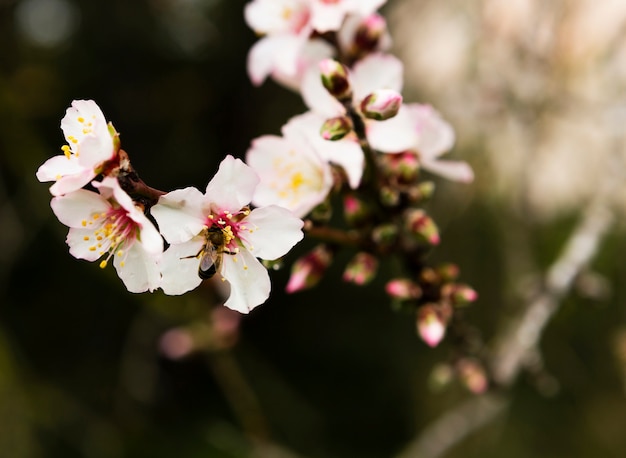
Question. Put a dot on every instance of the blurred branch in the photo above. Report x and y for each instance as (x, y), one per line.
(516, 343)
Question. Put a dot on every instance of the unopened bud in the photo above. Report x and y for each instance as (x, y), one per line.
(389, 196)
(361, 269)
(431, 326)
(369, 33)
(336, 128)
(307, 271)
(335, 79)
(402, 167)
(355, 211)
(403, 289)
(422, 226)
(473, 375)
(381, 104)
(448, 271)
(385, 234)
(421, 192)
(463, 295)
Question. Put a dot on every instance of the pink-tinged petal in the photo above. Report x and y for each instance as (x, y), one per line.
(70, 183)
(316, 97)
(435, 135)
(376, 71)
(365, 7)
(179, 267)
(138, 269)
(75, 208)
(179, 214)
(249, 281)
(276, 16)
(86, 132)
(394, 135)
(57, 167)
(95, 150)
(452, 170)
(233, 185)
(110, 187)
(308, 55)
(81, 244)
(273, 232)
(150, 238)
(261, 59)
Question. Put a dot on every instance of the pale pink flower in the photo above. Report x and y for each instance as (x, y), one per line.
(329, 15)
(91, 142)
(186, 217)
(430, 325)
(109, 224)
(421, 129)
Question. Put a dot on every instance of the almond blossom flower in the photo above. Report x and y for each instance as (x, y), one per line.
(110, 224)
(189, 220)
(294, 169)
(422, 130)
(287, 48)
(91, 142)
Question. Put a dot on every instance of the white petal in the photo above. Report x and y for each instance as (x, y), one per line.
(317, 97)
(394, 135)
(79, 247)
(70, 183)
(179, 214)
(436, 136)
(327, 17)
(376, 71)
(140, 270)
(179, 267)
(58, 166)
(260, 59)
(249, 281)
(276, 231)
(233, 185)
(452, 170)
(76, 208)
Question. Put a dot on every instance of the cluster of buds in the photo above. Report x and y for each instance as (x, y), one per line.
(434, 295)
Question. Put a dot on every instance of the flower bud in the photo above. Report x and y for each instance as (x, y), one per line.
(389, 197)
(336, 128)
(361, 269)
(473, 375)
(307, 271)
(381, 104)
(441, 376)
(385, 234)
(335, 79)
(422, 226)
(369, 34)
(403, 289)
(355, 211)
(463, 295)
(448, 271)
(431, 326)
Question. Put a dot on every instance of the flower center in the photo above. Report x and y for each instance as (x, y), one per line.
(233, 227)
(295, 177)
(113, 231)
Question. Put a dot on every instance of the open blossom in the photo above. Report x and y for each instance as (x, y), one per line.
(294, 169)
(91, 142)
(422, 130)
(189, 221)
(288, 48)
(109, 224)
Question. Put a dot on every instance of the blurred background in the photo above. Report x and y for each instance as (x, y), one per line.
(535, 90)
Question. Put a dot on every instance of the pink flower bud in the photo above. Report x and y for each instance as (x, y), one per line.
(336, 128)
(369, 33)
(355, 211)
(448, 271)
(464, 295)
(431, 326)
(361, 269)
(403, 289)
(401, 167)
(307, 271)
(381, 104)
(422, 226)
(335, 79)
(385, 234)
(472, 374)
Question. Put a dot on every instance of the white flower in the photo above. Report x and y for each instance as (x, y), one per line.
(110, 224)
(90, 143)
(294, 169)
(420, 128)
(189, 219)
